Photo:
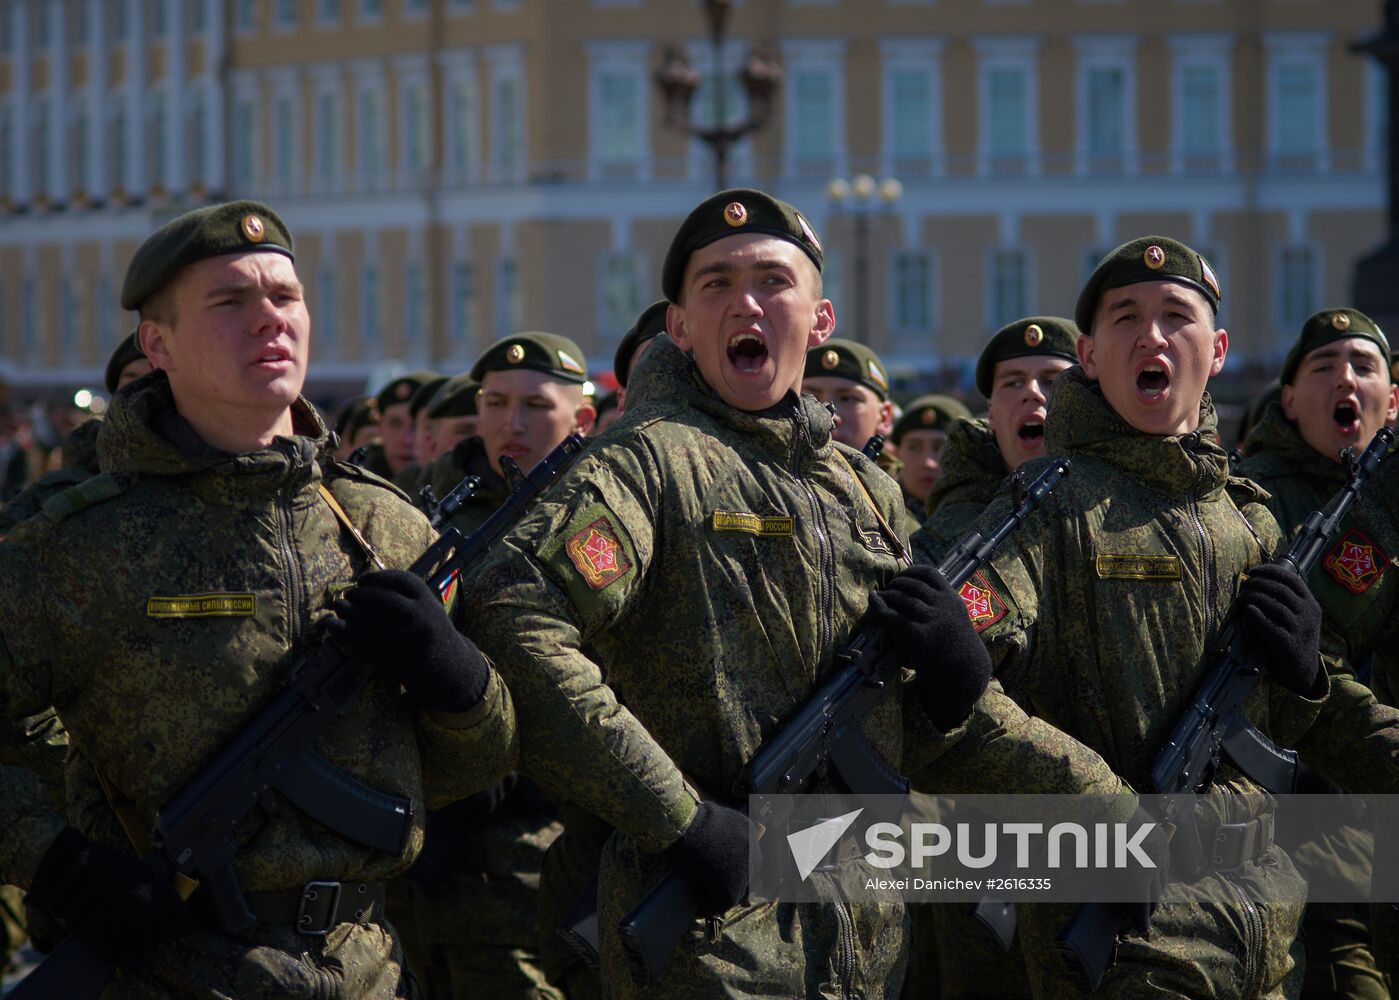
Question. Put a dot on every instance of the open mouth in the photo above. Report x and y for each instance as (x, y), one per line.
(1153, 381)
(1031, 432)
(273, 357)
(747, 352)
(1347, 418)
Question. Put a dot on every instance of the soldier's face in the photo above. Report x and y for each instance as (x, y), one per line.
(396, 435)
(860, 413)
(920, 452)
(1152, 349)
(424, 445)
(750, 310)
(133, 370)
(1018, 404)
(452, 431)
(1340, 396)
(240, 338)
(527, 414)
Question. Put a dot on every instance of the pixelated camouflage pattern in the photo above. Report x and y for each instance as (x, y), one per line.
(152, 698)
(1340, 959)
(1110, 654)
(751, 622)
(79, 462)
(377, 462)
(468, 458)
(972, 470)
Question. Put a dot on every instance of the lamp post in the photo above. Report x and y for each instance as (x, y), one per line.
(761, 76)
(1376, 288)
(862, 193)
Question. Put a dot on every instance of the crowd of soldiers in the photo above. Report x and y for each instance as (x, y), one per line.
(573, 710)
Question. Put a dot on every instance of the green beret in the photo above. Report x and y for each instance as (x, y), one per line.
(1051, 336)
(456, 398)
(846, 359)
(127, 351)
(540, 352)
(740, 210)
(1151, 258)
(355, 414)
(649, 324)
(1329, 326)
(423, 395)
(401, 389)
(212, 231)
(929, 413)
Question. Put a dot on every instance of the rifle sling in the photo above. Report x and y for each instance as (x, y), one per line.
(344, 519)
(899, 549)
(135, 828)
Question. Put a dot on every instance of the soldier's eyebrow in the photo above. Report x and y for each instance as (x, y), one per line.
(232, 288)
(1013, 373)
(1121, 303)
(714, 267)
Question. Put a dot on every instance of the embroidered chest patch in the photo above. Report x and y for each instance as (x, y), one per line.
(597, 554)
(752, 524)
(202, 606)
(1137, 567)
(1356, 562)
(984, 605)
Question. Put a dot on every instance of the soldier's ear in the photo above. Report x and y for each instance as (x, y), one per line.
(154, 339)
(1289, 402)
(583, 419)
(675, 326)
(824, 326)
(1084, 349)
(1392, 413)
(1221, 350)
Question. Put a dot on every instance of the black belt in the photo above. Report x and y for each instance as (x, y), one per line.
(317, 907)
(1225, 848)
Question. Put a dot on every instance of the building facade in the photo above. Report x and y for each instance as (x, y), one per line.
(455, 170)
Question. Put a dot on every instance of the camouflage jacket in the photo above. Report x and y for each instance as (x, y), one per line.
(158, 605)
(972, 471)
(79, 462)
(468, 458)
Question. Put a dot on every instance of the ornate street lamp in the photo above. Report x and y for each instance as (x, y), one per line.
(761, 76)
(1376, 288)
(860, 196)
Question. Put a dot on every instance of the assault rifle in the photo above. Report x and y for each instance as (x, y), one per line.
(874, 447)
(1214, 726)
(439, 512)
(822, 740)
(276, 752)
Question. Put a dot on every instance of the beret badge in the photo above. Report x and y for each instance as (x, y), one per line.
(253, 228)
(829, 360)
(735, 214)
(1340, 321)
(515, 354)
(927, 417)
(403, 390)
(1154, 258)
(1034, 336)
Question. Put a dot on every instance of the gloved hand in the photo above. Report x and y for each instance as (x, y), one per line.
(712, 855)
(394, 618)
(1134, 917)
(112, 901)
(926, 622)
(1281, 623)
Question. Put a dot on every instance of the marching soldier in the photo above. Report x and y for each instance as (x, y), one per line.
(395, 447)
(648, 326)
(919, 436)
(453, 415)
(850, 378)
(230, 545)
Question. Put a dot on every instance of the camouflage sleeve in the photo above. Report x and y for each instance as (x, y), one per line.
(573, 568)
(1355, 739)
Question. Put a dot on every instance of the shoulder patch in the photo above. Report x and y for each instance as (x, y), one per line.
(984, 606)
(92, 490)
(1355, 562)
(598, 554)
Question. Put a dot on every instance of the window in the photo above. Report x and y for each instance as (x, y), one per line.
(243, 21)
(619, 296)
(67, 317)
(1297, 286)
(416, 155)
(909, 134)
(1107, 107)
(912, 292)
(155, 17)
(196, 139)
(413, 305)
(507, 116)
(1201, 114)
(617, 121)
(199, 15)
(414, 8)
(812, 136)
(40, 22)
(1376, 114)
(1008, 115)
(462, 310)
(244, 139)
(369, 321)
(814, 139)
(284, 142)
(1009, 287)
(327, 314)
(507, 310)
(328, 11)
(104, 311)
(1106, 104)
(155, 142)
(463, 128)
(284, 14)
(39, 152)
(29, 323)
(327, 150)
(371, 10)
(81, 150)
(7, 178)
(6, 38)
(116, 163)
(1296, 101)
(119, 24)
(370, 155)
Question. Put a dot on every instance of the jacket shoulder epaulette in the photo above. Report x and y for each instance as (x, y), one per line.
(335, 469)
(91, 491)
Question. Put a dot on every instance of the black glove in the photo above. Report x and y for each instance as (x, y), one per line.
(925, 621)
(1281, 623)
(395, 619)
(1134, 916)
(712, 855)
(112, 901)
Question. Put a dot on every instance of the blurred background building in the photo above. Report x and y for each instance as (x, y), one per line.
(455, 170)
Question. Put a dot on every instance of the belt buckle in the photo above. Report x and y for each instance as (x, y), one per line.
(1231, 847)
(310, 894)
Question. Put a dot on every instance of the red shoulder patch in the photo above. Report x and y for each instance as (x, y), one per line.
(597, 554)
(1356, 562)
(984, 605)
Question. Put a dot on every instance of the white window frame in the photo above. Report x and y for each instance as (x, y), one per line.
(1117, 52)
(1282, 48)
(994, 322)
(506, 63)
(611, 327)
(327, 315)
(284, 83)
(370, 83)
(327, 81)
(412, 73)
(925, 55)
(363, 16)
(905, 334)
(826, 57)
(619, 58)
(325, 19)
(1213, 51)
(246, 93)
(459, 70)
(1288, 326)
(1008, 52)
(279, 26)
(509, 301)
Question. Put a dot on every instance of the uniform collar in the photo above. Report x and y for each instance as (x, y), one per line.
(972, 464)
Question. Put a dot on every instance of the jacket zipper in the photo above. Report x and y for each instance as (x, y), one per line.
(818, 526)
(294, 577)
(1253, 941)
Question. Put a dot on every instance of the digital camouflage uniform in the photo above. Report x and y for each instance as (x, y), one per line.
(714, 560)
(1340, 960)
(1097, 613)
(156, 606)
(79, 462)
(955, 956)
(474, 918)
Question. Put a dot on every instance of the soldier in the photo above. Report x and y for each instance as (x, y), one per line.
(714, 551)
(851, 378)
(476, 905)
(356, 426)
(919, 435)
(648, 326)
(126, 364)
(1101, 616)
(1015, 372)
(395, 447)
(230, 545)
(453, 414)
(1336, 392)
